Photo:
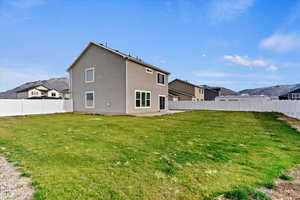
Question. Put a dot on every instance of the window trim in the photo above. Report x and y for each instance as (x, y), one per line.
(146, 107)
(157, 79)
(85, 99)
(85, 74)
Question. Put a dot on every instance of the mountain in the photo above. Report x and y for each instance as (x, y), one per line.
(56, 83)
(270, 91)
(227, 92)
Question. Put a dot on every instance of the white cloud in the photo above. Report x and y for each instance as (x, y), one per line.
(272, 68)
(25, 3)
(12, 77)
(210, 74)
(246, 61)
(281, 42)
(215, 74)
(226, 10)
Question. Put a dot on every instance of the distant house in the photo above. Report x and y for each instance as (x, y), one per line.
(211, 93)
(39, 92)
(104, 80)
(180, 90)
(293, 94)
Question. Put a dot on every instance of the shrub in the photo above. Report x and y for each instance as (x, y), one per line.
(237, 194)
(246, 194)
(286, 177)
(270, 185)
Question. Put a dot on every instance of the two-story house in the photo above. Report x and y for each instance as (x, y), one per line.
(104, 80)
(38, 92)
(180, 90)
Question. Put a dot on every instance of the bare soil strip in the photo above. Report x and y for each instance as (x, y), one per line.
(12, 185)
(287, 190)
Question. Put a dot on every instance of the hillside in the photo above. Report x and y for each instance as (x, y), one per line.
(270, 91)
(56, 83)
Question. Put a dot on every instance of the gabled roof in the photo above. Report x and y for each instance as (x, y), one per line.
(186, 82)
(32, 87)
(117, 52)
(290, 90)
(177, 93)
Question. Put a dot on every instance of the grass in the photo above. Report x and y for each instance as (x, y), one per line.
(186, 156)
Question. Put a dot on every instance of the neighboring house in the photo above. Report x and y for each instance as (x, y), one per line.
(293, 94)
(255, 98)
(180, 90)
(38, 92)
(104, 80)
(210, 93)
(66, 94)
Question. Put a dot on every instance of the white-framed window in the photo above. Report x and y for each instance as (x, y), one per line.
(161, 78)
(89, 75)
(53, 94)
(142, 99)
(89, 98)
(149, 71)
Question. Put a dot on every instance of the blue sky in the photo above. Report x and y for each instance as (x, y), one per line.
(232, 43)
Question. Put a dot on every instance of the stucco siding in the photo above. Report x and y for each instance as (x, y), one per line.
(180, 86)
(22, 95)
(199, 94)
(139, 79)
(109, 82)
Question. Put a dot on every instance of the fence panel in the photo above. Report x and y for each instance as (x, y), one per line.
(289, 108)
(13, 107)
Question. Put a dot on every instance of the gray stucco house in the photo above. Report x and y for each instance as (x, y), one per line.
(104, 80)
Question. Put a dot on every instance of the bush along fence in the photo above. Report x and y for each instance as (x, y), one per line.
(15, 107)
(289, 108)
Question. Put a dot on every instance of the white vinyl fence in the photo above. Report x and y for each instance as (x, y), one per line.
(14, 107)
(289, 108)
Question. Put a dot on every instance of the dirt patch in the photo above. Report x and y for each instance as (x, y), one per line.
(12, 185)
(293, 122)
(287, 190)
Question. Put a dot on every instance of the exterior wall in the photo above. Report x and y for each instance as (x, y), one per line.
(109, 86)
(38, 93)
(57, 94)
(139, 79)
(180, 86)
(199, 94)
(294, 95)
(22, 95)
(210, 95)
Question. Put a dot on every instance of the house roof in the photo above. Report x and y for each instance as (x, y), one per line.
(177, 93)
(186, 82)
(290, 90)
(117, 52)
(32, 87)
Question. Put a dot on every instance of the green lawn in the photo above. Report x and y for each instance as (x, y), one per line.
(182, 156)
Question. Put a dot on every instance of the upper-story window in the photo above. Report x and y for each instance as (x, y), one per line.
(53, 94)
(160, 78)
(150, 71)
(89, 75)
